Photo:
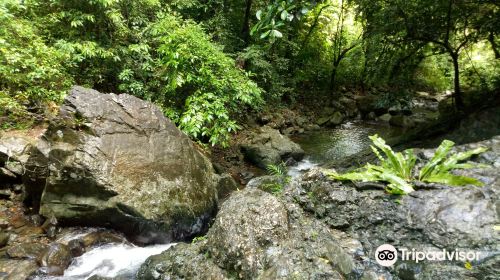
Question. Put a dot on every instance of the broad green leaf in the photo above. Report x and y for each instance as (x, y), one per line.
(452, 180)
(441, 152)
(397, 168)
(284, 15)
(265, 34)
(259, 14)
(276, 33)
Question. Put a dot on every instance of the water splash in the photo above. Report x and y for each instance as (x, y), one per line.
(301, 167)
(111, 260)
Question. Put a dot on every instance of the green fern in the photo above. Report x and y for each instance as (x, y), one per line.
(400, 163)
(277, 169)
(397, 169)
(281, 171)
(437, 170)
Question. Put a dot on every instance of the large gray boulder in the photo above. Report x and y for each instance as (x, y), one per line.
(13, 148)
(336, 119)
(238, 239)
(259, 236)
(402, 121)
(269, 146)
(115, 160)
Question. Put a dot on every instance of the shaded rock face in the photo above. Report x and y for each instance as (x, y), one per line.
(115, 160)
(336, 118)
(56, 259)
(402, 121)
(269, 146)
(17, 270)
(368, 103)
(27, 251)
(259, 236)
(332, 117)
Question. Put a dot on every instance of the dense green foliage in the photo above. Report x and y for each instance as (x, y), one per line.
(426, 27)
(398, 169)
(31, 72)
(208, 63)
(198, 74)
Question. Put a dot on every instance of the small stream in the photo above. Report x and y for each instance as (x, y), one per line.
(332, 145)
(323, 146)
(111, 260)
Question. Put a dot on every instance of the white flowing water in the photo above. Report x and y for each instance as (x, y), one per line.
(111, 260)
(301, 167)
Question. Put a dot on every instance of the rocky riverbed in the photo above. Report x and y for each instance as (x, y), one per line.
(322, 229)
(84, 197)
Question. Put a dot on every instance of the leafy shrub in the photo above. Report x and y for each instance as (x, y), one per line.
(31, 72)
(100, 35)
(198, 239)
(269, 71)
(201, 83)
(397, 169)
(432, 74)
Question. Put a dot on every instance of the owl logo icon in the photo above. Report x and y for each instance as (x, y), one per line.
(386, 255)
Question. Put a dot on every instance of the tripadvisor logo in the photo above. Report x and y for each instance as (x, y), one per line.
(387, 255)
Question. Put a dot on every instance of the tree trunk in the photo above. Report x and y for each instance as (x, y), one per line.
(246, 23)
(459, 103)
(491, 38)
(336, 63)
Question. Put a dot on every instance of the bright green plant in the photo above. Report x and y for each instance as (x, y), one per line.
(437, 170)
(198, 239)
(275, 17)
(398, 169)
(280, 171)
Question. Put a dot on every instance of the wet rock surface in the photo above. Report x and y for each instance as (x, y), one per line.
(13, 157)
(56, 259)
(262, 181)
(31, 245)
(237, 241)
(269, 146)
(434, 218)
(183, 261)
(17, 270)
(116, 161)
(13, 153)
